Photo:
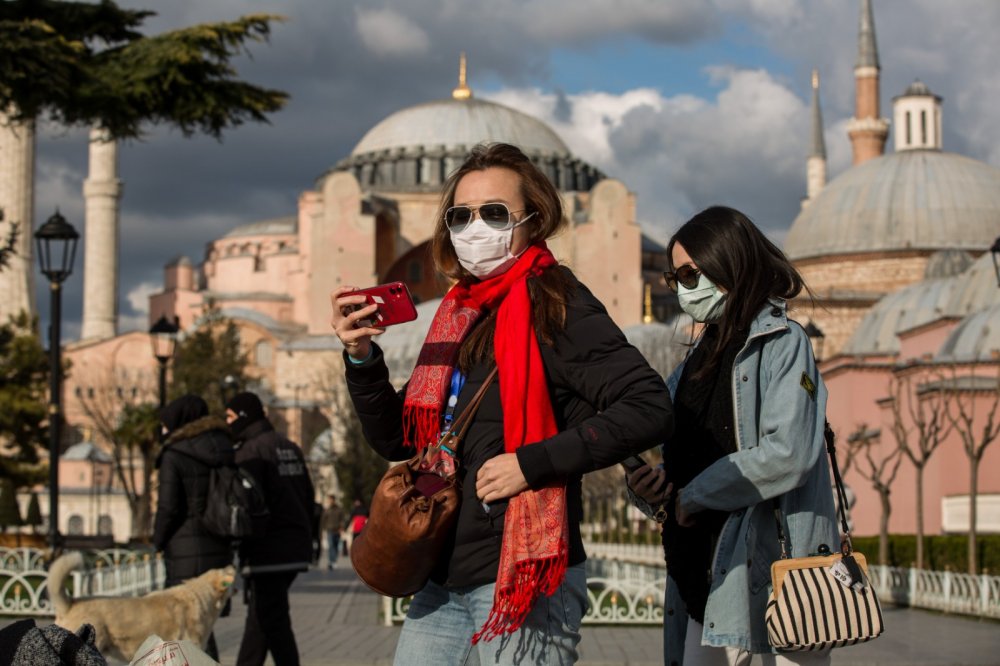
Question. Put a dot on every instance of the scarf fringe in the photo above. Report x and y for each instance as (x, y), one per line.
(512, 604)
(420, 427)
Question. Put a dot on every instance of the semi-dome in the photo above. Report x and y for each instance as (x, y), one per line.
(976, 289)
(416, 148)
(913, 306)
(909, 200)
(975, 338)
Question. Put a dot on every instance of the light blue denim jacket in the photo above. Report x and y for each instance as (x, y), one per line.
(779, 404)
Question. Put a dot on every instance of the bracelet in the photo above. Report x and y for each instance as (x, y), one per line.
(371, 352)
(660, 515)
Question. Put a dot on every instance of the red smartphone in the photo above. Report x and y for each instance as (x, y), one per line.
(395, 305)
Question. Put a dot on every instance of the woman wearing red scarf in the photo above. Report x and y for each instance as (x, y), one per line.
(572, 397)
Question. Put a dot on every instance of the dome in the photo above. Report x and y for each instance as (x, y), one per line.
(913, 306)
(946, 263)
(909, 200)
(460, 122)
(662, 345)
(278, 226)
(977, 337)
(976, 289)
(418, 147)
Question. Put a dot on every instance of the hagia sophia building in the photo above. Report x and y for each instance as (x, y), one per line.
(895, 250)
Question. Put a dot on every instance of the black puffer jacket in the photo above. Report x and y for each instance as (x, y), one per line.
(608, 404)
(184, 465)
(278, 465)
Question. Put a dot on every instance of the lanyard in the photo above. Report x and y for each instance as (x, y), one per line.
(457, 382)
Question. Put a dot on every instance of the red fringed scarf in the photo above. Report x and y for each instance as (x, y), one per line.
(535, 549)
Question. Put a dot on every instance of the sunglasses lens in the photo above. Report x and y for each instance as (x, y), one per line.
(495, 214)
(688, 277)
(458, 216)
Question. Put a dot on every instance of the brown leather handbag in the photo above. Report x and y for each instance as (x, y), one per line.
(412, 513)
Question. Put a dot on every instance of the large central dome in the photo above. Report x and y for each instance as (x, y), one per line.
(910, 200)
(449, 123)
(416, 148)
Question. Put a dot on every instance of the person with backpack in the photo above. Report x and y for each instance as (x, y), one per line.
(270, 562)
(195, 443)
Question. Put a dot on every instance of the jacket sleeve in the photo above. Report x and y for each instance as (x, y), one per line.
(789, 432)
(378, 405)
(594, 360)
(171, 504)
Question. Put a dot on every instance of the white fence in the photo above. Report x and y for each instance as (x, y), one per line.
(938, 590)
(113, 573)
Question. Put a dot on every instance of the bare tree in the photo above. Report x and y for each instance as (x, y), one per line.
(877, 465)
(919, 425)
(976, 434)
(122, 412)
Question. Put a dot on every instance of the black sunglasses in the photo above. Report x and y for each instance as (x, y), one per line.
(687, 275)
(495, 215)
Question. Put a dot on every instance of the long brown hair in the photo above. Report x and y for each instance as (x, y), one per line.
(549, 290)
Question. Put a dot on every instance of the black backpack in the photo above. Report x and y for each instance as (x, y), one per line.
(234, 507)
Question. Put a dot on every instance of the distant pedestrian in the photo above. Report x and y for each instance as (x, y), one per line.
(195, 443)
(271, 562)
(332, 524)
(357, 519)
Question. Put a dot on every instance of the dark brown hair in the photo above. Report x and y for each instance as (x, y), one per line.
(550, 289)
(734, 254)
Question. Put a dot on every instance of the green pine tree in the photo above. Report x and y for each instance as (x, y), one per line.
(10, 515)
(87, 64)
(24, 372)
(205, 357)
(34, 517)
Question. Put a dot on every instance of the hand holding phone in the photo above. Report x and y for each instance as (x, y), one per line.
(632, 463)
(394, 302)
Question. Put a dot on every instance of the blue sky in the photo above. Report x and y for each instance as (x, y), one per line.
(688, 102)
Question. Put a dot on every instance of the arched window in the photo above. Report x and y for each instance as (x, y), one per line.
(75, 524)
(264, 354)
(105, 524)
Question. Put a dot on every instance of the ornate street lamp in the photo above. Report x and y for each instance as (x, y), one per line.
(56, 241)
(817, 338)
(163, 336)
(995, 251)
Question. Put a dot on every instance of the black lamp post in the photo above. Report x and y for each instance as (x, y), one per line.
(163, 336)
(995, 251)
(817, 338)
(56, 241)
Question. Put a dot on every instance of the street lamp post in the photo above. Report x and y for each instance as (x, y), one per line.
(163, 336)
(56, 241)
(817, 337)
(995, 251)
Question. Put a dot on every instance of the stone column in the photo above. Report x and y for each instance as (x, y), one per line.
(101, 192)
(17, 200)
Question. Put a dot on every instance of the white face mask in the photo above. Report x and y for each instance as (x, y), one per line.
(704, 303)
(483, 250)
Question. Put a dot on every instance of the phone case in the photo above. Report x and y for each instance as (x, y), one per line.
(395, 304)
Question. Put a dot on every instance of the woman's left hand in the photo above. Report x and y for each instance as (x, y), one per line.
(500, 478)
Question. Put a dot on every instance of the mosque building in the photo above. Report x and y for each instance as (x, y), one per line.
(906, 299)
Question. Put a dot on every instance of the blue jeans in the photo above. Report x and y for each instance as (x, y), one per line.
(440, 623)
(332, 547)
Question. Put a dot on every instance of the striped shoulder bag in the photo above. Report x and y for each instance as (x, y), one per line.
(826, 600)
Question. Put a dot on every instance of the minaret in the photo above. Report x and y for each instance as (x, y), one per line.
(462, 91)
(917, 117)
(17, 200)
(816, 164)
(101, 192)
(867, 130)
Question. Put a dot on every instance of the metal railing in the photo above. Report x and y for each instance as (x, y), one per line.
(946, 591)
(114, 572)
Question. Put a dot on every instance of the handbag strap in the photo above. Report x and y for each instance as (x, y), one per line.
(845, 546)
(464, 420)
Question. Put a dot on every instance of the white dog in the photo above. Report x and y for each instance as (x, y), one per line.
(187, 611)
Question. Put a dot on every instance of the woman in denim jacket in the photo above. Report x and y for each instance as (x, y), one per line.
(749, 407)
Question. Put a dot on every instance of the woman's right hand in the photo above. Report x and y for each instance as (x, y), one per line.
(650, 484)
(357, 341)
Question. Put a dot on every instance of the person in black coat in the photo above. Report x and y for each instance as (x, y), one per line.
(271, 562)
(195, 443)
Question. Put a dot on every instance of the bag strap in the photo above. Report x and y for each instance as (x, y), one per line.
(464, 420)
(846, 546)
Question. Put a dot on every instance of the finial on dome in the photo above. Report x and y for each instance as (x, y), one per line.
(462, 91)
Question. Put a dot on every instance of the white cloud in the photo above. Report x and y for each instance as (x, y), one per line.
(138, 296)
(388, 33)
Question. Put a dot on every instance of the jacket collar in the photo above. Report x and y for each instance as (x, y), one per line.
(254, 429)
(771, 318)
(197, 427)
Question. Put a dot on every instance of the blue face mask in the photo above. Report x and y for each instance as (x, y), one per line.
(704, 303)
